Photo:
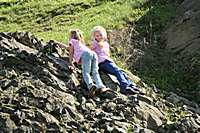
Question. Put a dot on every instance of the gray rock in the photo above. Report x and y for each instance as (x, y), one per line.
(6, 124)
(183, 34)
(153, 116)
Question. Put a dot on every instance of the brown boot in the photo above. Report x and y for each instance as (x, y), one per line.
(102, 90)
(92, 91)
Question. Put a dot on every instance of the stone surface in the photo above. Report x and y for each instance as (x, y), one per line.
(183, 34)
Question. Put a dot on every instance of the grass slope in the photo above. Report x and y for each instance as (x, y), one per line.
(52, 19)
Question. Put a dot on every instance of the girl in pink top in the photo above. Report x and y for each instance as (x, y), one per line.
(83, 55)
(106, 64)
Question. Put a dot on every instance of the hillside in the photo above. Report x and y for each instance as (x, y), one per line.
(52, 20)
(39, 93)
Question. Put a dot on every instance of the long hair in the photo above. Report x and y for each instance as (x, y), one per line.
(76, 34)
(98, 29)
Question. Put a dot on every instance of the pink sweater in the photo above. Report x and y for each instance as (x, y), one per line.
(101, 52)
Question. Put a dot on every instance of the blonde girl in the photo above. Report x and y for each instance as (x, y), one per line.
(88, 58)
(106, 64)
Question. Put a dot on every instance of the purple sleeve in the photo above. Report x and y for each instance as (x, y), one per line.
(107, 47)
(72, 42)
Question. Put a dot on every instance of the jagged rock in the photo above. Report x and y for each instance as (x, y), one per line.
(6, 124)
(145, 99)
(10, 43)
(175, 99)
(182, 38)
(146, 131)
(183, 34)
(153, 117)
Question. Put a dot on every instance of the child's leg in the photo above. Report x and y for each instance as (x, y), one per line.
(86, 68)
(130, 83)
(111, 68)
(95, 72)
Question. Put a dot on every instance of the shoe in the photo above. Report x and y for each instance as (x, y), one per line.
(129, 90)
(106, 94)
(92, 91)
(102, 90)
(136, 89)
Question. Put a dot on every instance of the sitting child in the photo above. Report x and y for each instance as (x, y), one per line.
(88, 59)
(106, 64)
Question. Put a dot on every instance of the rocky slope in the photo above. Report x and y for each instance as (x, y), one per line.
(38, 93)
(183, 34)
(183, 38)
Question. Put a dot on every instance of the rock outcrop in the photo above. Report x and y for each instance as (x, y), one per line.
(183, 35)
(183, 38)
(39, 93)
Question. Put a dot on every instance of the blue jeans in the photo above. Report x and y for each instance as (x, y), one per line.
(90, 64)
(111, 68)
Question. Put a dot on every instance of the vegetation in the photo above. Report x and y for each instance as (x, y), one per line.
(168, 71)
(52, 19)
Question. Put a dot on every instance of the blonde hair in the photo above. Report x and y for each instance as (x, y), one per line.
(98, 29)
(76, 34)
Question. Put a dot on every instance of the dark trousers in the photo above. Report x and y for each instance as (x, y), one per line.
(111, 68)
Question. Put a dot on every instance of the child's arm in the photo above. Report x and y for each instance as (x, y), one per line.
(92, 46)
(71, 53)
(108, 53)
(61, 45)
(101, 45)
(107, 49)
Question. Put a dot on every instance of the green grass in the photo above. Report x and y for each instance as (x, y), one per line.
(53, 19)
(8, 0)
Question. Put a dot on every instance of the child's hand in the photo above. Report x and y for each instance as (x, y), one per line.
(71, 67)
(101, 44)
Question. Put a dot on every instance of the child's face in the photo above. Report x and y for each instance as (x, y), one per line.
(73, 35)
(98, 36)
